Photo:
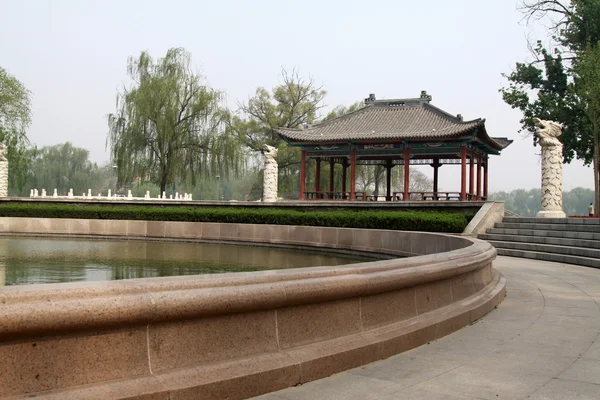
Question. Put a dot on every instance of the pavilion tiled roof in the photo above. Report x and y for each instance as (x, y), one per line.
(401, 119)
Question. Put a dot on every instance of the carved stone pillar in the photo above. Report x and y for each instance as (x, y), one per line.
(270, 174)
(552, 166)
(3, 178)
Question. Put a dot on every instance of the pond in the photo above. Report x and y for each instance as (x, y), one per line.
(28, 260)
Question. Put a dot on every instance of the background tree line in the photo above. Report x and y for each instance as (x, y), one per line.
(172, 132)
(527, 203)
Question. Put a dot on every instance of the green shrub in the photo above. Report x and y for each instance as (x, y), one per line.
(394, 220)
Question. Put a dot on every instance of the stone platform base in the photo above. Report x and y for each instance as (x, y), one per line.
(551, 214)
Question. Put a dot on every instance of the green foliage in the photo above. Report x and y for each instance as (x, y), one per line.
(15, 105)
(168, 126)
(548, 94)
(140, 190)
(588, 79)
(289, 105)
(527, 203)
(545, 88)
(343, 110)
(580, 25)
(395, 220)
(523, 202)
(576, 201)
(561, 91)
(588, 88)
(15, 117)
(64, 167)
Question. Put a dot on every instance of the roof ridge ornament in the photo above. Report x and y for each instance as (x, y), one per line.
(425, 97)
(371, 99)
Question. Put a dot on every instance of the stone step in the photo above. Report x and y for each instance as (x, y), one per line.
(549, 227)
(547, 248)
(544, 233)
(569, 221)
(559, 241)
(560, 258)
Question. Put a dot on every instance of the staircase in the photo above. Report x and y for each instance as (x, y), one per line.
(565, 240)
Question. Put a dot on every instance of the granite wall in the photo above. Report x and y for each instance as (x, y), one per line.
(235, 335)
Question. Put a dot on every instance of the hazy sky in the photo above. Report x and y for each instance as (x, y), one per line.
(72, 55)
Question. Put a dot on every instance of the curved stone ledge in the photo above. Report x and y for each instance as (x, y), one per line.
(236, 335)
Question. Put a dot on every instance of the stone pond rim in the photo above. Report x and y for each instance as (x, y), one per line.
(236, 335)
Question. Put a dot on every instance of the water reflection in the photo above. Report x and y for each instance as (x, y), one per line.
(33, 260)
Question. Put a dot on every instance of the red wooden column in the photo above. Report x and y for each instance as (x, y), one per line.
(471, 173)
(478, 177)
(463, 175)
(344, 168)
(485, 177)
(406, 172)
(352, 173)
(302, 174)
(331, 170)
(318, 177)
(388, 181)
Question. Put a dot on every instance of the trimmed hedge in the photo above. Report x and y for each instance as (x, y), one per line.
(394, 220)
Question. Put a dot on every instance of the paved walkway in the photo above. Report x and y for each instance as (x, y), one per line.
(541, 343)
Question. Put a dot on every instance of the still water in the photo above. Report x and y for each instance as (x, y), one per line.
(26, 261)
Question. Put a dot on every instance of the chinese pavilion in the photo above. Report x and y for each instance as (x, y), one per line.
(397, 132)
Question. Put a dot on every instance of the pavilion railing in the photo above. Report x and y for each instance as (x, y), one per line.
(334, 196)
(421, 196)
(396, 196)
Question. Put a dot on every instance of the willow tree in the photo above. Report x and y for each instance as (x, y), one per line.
(63, 167)
(168, 126)
(15, 117)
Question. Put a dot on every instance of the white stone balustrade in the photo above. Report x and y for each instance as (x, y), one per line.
(109, 196)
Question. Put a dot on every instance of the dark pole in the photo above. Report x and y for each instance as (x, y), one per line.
(344, 169)
(352, 173)
(485, 177)
(388, 181)
(302, 174)
(318, 176)
(471, 174)
(435, 165)
(406, 171)
(331, 170)
(463, 177)
(478, 177)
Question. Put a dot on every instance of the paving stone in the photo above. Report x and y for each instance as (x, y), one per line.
(420, 394)
(457, 349)
(523, 363)
(594, 351)
(341, 386)
(583, 370)
(559, 389)
(570, 321)
(269, 396)
(406, 370)
(485, 384)
(571, 312)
